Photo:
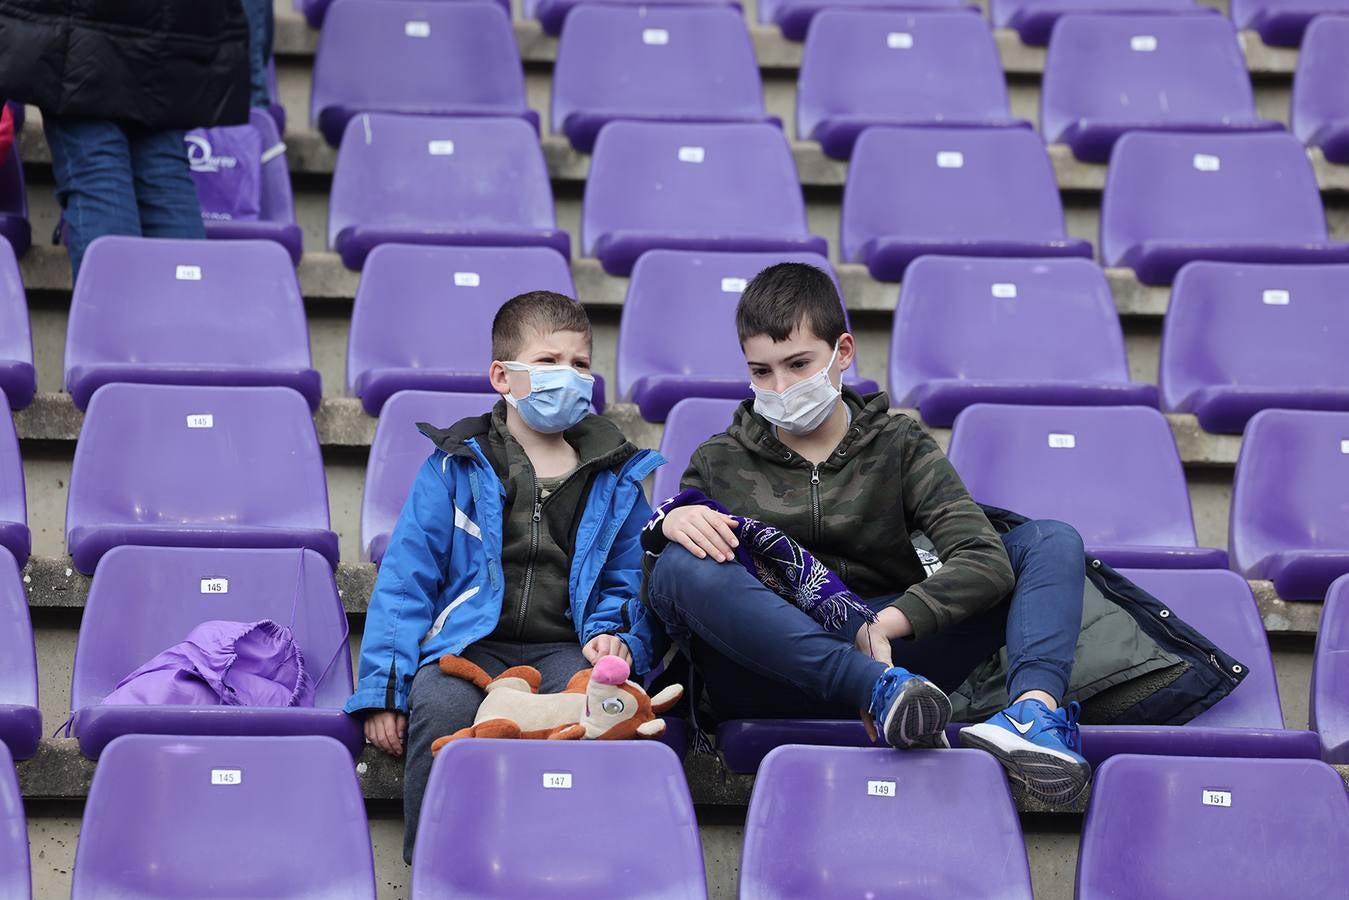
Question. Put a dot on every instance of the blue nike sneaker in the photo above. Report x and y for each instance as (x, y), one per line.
(909, 710)
(1041, 750)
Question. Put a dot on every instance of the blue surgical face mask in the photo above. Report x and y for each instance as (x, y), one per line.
(559, 396)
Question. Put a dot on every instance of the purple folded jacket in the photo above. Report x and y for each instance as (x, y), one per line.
(226, 164)
(783, 566)
(223, 664)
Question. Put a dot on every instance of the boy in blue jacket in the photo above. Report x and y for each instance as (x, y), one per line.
(519, 544)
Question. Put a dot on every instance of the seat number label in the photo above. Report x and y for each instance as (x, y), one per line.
(691, 154)
(1062, 441)
(188, 273)
(1004, 290)
(417, 29)
(201, 420)
(880, 789)
(227, 776)
(899, 40)
(1344, 446)
(1276, 298)
(440, 148)
(733, 285)
(1217, 798)
(950, 159)
(466, 279)
(657, 37)
(215, 585)
(1143, 43)
(557, 781)
(1207, 162)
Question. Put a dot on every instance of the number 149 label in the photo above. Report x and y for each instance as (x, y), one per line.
(880, 789)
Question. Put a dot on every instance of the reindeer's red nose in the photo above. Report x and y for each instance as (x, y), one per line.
(611, 670)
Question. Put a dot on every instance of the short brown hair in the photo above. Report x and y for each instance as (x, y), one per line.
(786, 295)
(539, 311)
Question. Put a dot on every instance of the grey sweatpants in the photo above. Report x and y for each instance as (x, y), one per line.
(440, 704)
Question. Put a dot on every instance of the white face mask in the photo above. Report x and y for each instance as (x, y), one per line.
(804, 406)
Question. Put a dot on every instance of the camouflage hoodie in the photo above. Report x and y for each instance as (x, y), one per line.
(856, 510)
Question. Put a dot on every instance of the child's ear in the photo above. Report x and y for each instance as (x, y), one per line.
(499, 377)
(847, 349)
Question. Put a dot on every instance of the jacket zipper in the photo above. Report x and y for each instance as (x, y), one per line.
(531, 559)
(815, 516)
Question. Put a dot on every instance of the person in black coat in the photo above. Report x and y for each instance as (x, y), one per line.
(119, 82)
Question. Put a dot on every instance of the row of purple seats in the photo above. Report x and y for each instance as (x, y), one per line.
(15, 883)
(1320, 106)
(224, 817)
(1283, 826)
(1329, 710)
(18, 376)
(20, 718)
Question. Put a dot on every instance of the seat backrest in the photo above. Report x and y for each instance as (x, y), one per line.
(1144, 68)
(1002, 12)
(418, 170)
(278, 201)
(899, 66)
(14, 876)
(1219, 603)
(1005, 319)
(701, 180)
(693, 295)
(218, 817)
(13, 498)
(1113, 473)
(652, 848)
(1319, 97)
(810, 804)
(1208, 187)
(143, 600)
(953, 183)
(1246, 13)
(1254, 326)
(167, 455)
(691, 422)
(1329, 710)
(422, 307)
(645, 61)
(1214, 827)
(16, 337)
(18, 656)
(399, 450)
(199, 304)
(409, 56)
(1291, 486)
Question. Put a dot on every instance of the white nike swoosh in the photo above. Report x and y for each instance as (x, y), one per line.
(1022, 727)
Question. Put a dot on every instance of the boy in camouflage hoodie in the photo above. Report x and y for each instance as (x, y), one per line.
(848, 481)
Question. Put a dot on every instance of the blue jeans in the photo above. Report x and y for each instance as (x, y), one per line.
(116, 179)
(260, 29)
(761, 657)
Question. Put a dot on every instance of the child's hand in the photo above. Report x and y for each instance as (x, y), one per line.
(606, 645)
(701, 531)
(386, 730)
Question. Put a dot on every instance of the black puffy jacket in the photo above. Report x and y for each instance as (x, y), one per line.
(156, 63)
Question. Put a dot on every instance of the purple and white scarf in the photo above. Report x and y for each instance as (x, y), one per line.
(782, 565)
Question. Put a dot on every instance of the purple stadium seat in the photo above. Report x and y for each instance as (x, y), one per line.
(275, 220)
(915, 192)
(1162, 827)
(1013, 331)
(14, 225)
(1290, 501)
(1329, 711)
(1109, 74)
(1320, 109)
(1174, 198)
(405, 56)
(1034, 20)
(164, 311)
(314, 12)
(1282, 23)
(14, 533)
(438, 180)
(671, 64)
(552, 13)
(224, 817)
(674, 292)
(14, 879)
(813, 808)
(275, 109)
(652, 846)
(138, 607)
(20, 719)
(727, 186)
(890, 67)
(1242, 338)
(162, 465)
(794, 17)
(1112, 472)
(18, 377)
(689, 423)
(399, 450)
(423, 315)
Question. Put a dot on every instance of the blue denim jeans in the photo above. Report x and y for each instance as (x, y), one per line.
(260, 29)
(116, 179)
(761, 657)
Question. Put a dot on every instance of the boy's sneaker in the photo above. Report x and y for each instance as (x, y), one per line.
(1041, 750)
(909, 710)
